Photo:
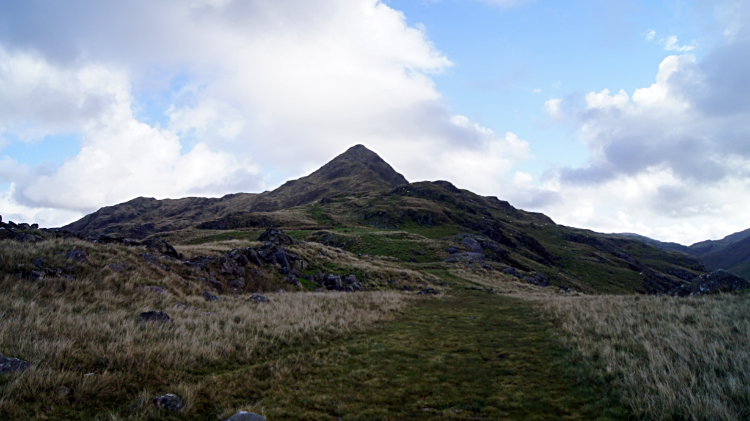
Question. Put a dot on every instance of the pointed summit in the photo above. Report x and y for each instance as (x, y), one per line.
(357, 169)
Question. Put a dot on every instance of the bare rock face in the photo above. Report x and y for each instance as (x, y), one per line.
(711, 283)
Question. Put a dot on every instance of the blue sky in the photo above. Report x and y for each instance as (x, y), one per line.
(626, 116)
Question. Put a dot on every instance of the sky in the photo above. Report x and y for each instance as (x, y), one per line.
(627, 116)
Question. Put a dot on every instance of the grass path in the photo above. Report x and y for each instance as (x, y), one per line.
(464, 356)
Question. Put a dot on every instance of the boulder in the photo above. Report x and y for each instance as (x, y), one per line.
(472, 244)
(12, 365)
(154, 316)
(6, 233)
(259, 298)
(162, 247)
(208, 296)
(246, 416)
(711, 283)
(238, 283)
(169, 402)
(428, 291)
(117, 267)
(152, 288)
(36, 275)
(39, 262)
(28, 238)
(77, 255)
(538, 279)
(512, 272)
(275, 236)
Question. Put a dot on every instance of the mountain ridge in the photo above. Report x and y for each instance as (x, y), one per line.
(357, 169)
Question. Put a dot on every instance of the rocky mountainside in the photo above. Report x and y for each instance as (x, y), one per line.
(359, 203)
(357, 169)
(731, 253)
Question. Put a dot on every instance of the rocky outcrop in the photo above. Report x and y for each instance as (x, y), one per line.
(170, 402)
(711, 283)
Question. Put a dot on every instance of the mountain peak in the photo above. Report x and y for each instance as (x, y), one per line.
(366, 166)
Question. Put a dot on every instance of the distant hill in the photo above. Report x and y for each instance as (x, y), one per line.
(731, 253)
(357, 169)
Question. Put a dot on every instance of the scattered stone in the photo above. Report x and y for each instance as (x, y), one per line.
(711, 283)
(77, 255)
(208, 296)
(512, 272)
(64, 391)
(292, 280)
(246, 416)
(28, 238)
(428, 291)
(259, 298)
(39, 262)
(236, 284)
(475, 288)
(538, 279)
(169, 402)
(36, 275)
(12, 365)
(275, 236)
(217, 285)
(154, 316)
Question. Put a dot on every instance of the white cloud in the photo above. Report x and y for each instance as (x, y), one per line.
(267, 91)
(650, 35)
(672, 44)
(671, 160)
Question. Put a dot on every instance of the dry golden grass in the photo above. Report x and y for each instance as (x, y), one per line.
(84, 335)
(670, 358)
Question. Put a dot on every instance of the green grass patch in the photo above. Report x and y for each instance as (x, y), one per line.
(467, 356)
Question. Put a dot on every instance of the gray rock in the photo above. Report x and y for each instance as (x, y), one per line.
(154, 316)
(208, 296)
(6, 233)
(428, 291)
(246, 416)
(36, 275)
(12, 365)
(77, 255)
(238, 283)
(152, 288)
(162, 247)
(472, 244)
(711, 283)
(38, 262)
(28, 238)
(512, 272)
(117, 267)
(259, 298)
(169, 402)
(538, 279)
(275, 236)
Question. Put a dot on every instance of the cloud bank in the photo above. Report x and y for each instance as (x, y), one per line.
(676, 153)
(251, 93)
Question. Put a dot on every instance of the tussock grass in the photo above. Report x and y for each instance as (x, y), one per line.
(669, 359)
(84, 334)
